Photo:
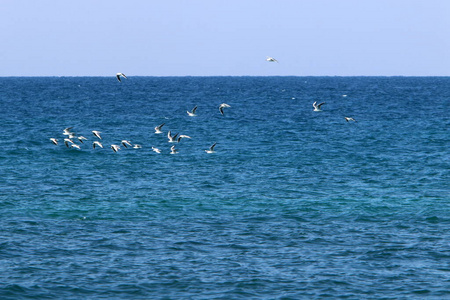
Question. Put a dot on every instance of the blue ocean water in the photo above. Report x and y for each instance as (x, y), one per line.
(293, 204)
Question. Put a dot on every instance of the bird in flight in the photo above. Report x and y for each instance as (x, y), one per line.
(271, 59)
(222, 106)
(192, 112)
(118, 75)
(317, 106)
(96, 133)
(211, 149)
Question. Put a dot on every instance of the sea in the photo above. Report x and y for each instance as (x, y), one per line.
(292, 204)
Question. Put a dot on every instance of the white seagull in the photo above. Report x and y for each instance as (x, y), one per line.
(115, 148)
(222, 106)
(173, 150)
(137, 146)
(183, 136)
(271, 59)
(75, 146)
(192, 112)
(97, 143)
(118, 75)
(126, 143)
(158, 128)
(54, 141)
(67, 141)
(211, 149)
(156, 150)
(68, 131)
(81, 138)
(172, 138)
(349, 119)
(317, 106)
(97, 133)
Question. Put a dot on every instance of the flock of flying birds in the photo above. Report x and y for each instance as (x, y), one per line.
(72, 136)
(69, 141)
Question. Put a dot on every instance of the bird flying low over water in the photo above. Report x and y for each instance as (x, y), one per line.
(81, 138)
(158, 128)
(349, 119)
(68, 131)
(211, 149)
(271, 59)
(118, 75)
(67, 141)
(222, 106)
(97, 133)
(97, 143)
(54, 141)
(115, 148)
(192, 112)
(75, 146)
(156, 150)
(183, 136)
(317, 106)
(172, 138)
(173, 150)
(126, 143)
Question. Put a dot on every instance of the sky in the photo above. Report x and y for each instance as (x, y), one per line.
(225, 37)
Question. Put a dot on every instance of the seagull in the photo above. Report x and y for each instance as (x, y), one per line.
(67, 131)
(271, 59)
(192, 112)
(349, 119)
(222, 106)
(115, 148)
(172, 139)
(118, 75)
(54, 141)
(156, 150)
(211, 149)
(317, 106)
(158, 128)
(97, 133)
(173, 150)
(97, 143)
(137, 146)
(75, 146)
(67, 141)
(183, 136)
(81, 138)
(125, 143)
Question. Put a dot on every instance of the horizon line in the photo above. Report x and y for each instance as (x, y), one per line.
(106, 76)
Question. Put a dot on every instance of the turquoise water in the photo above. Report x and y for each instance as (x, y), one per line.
(294, 204)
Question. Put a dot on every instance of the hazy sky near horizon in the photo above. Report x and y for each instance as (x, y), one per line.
(232, 37)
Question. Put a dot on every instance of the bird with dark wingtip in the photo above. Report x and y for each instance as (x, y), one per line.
(118, 75)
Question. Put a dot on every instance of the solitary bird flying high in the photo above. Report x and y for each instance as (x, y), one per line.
(271, 59)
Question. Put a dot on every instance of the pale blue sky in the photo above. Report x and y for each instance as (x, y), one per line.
(224, 37)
